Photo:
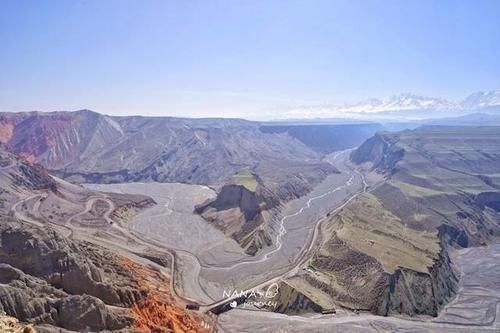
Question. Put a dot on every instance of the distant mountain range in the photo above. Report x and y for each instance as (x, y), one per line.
(407, 106)
(280, 162)
(86, 146)
(482, 100)
(399, 103)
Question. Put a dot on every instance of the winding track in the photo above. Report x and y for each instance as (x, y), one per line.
(309, 247)
(172, 252)
(88, 206)
(282, 227)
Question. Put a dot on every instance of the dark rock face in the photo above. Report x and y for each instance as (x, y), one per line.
(239, 212)
(453, 236)
(24, 174)
(326, 138)
(380, 151)
(235, 196)
(489, 199)
(415, 293)
(47, 279)
(362, 283)
(34, 177)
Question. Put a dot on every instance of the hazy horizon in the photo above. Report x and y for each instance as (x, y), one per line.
(252, 60)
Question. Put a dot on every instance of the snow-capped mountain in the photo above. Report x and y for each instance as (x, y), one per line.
(403, 106)
(399, 103)
(482, 99)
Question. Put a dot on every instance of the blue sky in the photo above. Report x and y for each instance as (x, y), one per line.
(241, 58)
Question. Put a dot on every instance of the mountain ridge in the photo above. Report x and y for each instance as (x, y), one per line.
(405, 104)
(86, 146)
(476, 101)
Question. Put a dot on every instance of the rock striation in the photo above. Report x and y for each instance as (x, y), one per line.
(56, 283)
(387, 251)
(47, 279)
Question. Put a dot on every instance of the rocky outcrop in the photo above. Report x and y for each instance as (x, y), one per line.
(359, 278)
(128, 205)
(361, 283)
(239, 212)
(416, 293)
(58, 284)
(49, 279)
(453, 236)
(447, 171)
(65, 265)
(34, 177)
(55, 283)
(380, 151)
(244, 214)
(31, 299)
(24, 174)
(488, 199)
(440, 181)
(236, 196)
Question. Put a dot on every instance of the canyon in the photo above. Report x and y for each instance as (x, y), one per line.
(143, 224)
